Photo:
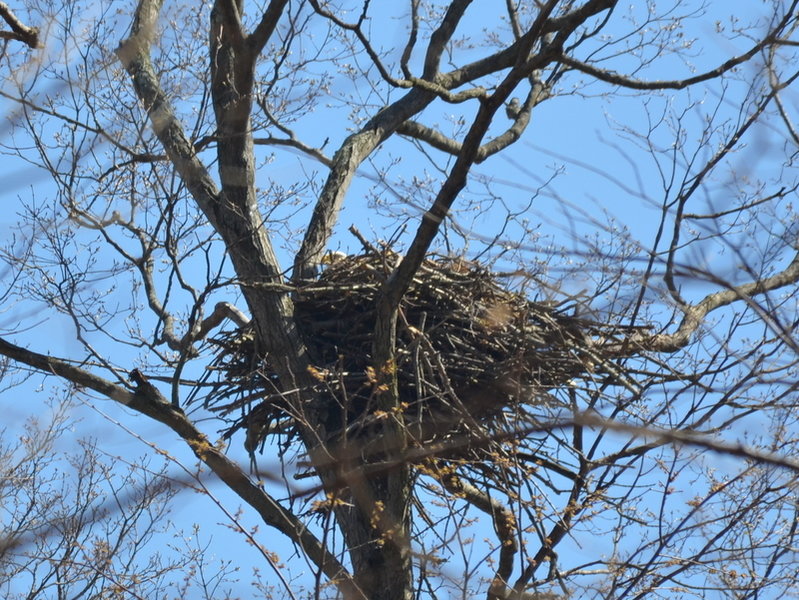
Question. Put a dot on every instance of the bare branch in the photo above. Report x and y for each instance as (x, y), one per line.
(441, 142)
(222, 311)
(694, 314)
(441, 36)
(266, 27)
(678, 84)
(65, 369)
(19, 31)
(149, 401)
(504, 526)
(134, 55)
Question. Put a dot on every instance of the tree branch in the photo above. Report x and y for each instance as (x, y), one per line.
(66, 370)
(438, 140)
(222, 311)
(504, 526)
(149, 401)
(677, 84)
(266, 27)
(19, 31)
(694, 314)
(134, 53)
(441, 36)
(355, 149)
(399, 281)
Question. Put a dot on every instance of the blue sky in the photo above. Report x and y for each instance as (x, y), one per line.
(579, 177)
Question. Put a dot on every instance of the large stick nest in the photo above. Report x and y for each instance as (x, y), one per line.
(468, 350)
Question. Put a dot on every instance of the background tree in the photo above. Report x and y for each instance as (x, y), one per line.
(79, 524)
(163, 221)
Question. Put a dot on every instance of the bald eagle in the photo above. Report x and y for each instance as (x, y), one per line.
(332, 257)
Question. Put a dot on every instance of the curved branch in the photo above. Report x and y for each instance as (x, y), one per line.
(423, 133)
(695, 314)
(673, 84)
(222, 311)
(315, 153)
(150, 402)
(441, 36)
(367, 46)
(355, 149)
(414, 34)
(538, 93)
(521, 119)
(504, 526)
(678, 84)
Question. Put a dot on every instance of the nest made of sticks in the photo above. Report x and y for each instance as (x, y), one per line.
(468, 349)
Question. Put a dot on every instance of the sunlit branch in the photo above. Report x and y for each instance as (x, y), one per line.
(19, 31)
